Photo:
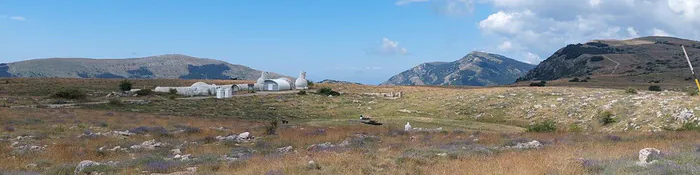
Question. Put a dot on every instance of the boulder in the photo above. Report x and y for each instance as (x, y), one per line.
(647, 156)
(284, 150)
(83, 165)
(245, 135)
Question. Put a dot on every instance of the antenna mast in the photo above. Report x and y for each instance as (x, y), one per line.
(691, 67)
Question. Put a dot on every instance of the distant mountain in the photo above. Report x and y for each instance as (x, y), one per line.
(640, 57)
(474, 69)
(329, 81)
(171, 66)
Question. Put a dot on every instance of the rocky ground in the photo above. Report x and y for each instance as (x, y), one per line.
(482, 131)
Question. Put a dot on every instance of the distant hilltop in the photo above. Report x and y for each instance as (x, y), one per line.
(170, 66)
(474, 69)
(329, 81)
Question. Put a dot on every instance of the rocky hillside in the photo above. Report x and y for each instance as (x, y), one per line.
(659, 57)
(171, 66)
(475, 69)
(329, 81)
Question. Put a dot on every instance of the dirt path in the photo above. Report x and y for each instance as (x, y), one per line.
(617, 64)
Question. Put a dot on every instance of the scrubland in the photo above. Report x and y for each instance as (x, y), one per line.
(464, 131)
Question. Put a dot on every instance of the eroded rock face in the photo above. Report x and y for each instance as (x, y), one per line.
(647, 156)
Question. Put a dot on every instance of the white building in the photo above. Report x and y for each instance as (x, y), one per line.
(301, 82)
(280, 84)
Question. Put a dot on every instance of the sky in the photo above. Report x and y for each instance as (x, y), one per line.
(365, 41)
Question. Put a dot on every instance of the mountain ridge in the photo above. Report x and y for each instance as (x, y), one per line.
(168, 66)
(475, 69)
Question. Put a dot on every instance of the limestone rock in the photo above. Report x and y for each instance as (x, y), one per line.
(647, 155)
(83, 165)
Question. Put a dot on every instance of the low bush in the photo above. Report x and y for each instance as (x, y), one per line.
(575, 80)
(692, 92)
(70, 93)
(654, 88)
(144, 92)
(125, 85)
(544, 126)
(115, 102)
(631, 90)
(301, 92)
(689, 126)
(540, 84)
(328, 91)
(271, 128)
(606, 118)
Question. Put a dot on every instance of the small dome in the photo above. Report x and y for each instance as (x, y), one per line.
(199, 84)
(301, 82)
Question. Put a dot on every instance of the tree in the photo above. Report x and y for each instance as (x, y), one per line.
(125, 85)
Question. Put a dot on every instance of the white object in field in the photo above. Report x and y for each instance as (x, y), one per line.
(261, 81)
(279, 84)
(687, 58)
(244, 135)
(644, 156)
(301, 82)
(228, 92)
(220, 93)
(407, 127)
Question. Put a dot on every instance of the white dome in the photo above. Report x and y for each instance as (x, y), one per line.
(200, 84)
(301, 82)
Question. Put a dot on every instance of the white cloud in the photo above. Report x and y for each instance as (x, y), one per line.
(531, 58)
(632, 33)
(659, 32)
(18, 18)
(505, 45)
(405, 2)
(540, 27)
(387, 48)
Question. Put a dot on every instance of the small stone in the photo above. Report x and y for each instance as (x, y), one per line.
(647, 156)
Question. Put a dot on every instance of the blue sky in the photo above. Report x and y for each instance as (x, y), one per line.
(364, 41)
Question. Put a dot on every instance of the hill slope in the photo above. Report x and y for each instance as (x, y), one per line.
(640, 58)
(162, 66)
(474, 69)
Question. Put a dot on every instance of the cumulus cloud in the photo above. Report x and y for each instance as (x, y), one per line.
(536, 28)
(659, 32)
(388, 48)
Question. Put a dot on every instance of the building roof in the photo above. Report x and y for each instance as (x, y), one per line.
(282, 83)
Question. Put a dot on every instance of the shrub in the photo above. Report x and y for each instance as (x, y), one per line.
(689, 126)
(310, 83)
(125, 85)
(654, 88)
(9, 128)
(574, 80)
(70, 93)
(60, 170)
(172, 91)
(541, 83)
(115, 102)
(328, 91)
(209, 139)
(144, 92)
(544, 126)
(597, 58)
(575, 128)
(302, 92)
(271, 128)
(7, 81)
(692, 92)
(631, 90)
(606, 118)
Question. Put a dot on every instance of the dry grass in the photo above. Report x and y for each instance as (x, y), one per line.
(473, 144)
